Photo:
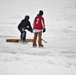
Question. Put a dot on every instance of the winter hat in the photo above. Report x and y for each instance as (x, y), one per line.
(27, 17)
(40, 12)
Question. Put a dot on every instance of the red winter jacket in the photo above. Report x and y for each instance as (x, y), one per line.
(39, 23)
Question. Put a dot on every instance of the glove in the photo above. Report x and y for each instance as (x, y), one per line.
(44, 30)
(31, 31)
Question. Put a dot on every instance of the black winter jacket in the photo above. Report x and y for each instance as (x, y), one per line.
(25, 24)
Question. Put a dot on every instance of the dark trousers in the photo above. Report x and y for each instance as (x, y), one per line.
(23, 34)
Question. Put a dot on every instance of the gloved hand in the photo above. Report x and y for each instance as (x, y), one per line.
(31, 31)
(44, 30)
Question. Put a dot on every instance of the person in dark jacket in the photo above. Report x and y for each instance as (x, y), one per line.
(23, 26)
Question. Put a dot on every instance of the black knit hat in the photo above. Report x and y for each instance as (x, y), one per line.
(40, 12)
(27, 17)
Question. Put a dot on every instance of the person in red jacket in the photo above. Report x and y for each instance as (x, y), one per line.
(38, 28)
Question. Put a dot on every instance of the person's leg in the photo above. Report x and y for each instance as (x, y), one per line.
(40, 39)
(20, 29)
(35, 38)
(23, 36)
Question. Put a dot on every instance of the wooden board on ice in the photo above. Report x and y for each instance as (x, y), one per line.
(17, 40)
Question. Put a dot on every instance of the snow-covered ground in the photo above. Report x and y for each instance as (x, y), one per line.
(58, 57)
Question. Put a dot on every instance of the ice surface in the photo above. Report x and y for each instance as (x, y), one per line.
(58, 57)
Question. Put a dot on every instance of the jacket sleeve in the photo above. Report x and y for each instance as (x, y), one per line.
(43, 23)
(29, 27)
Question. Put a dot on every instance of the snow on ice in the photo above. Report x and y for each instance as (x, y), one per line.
(58, 57)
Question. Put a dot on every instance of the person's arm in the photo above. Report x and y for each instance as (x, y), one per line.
(43, 25)
(29, 28)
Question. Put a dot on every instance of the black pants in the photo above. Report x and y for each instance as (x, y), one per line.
(23, 34)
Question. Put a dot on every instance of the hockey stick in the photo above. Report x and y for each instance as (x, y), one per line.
(44, 40)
